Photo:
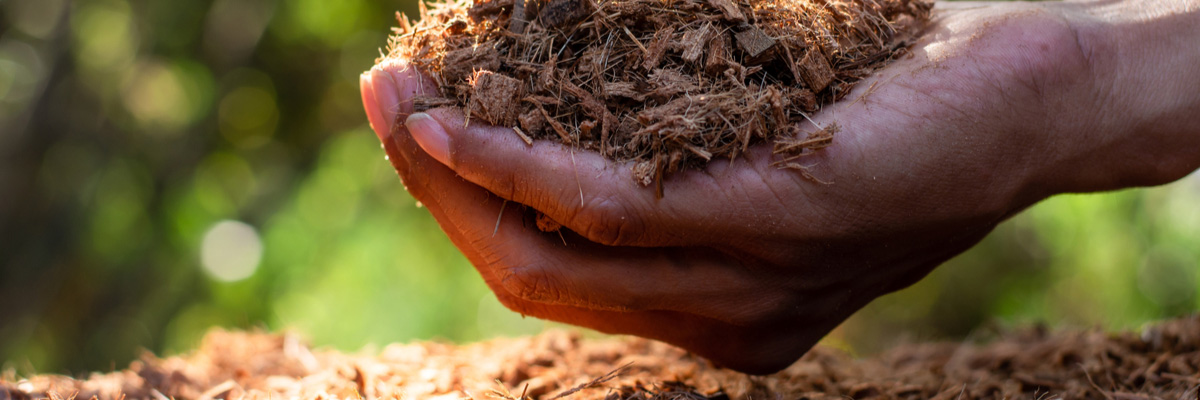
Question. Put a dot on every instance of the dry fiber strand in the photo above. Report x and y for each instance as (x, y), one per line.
(1159, 362)
(667, 84)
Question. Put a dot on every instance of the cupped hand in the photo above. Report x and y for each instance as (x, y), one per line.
(745, 263)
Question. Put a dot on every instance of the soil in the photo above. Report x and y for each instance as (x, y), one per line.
(1161, 361)
(667, 84)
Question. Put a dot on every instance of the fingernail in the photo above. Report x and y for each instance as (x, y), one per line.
(387, 96)
(375, 116)
(430, 135)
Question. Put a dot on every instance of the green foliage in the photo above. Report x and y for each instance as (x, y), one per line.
(167, 167)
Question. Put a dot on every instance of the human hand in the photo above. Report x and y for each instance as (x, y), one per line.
(749, 265)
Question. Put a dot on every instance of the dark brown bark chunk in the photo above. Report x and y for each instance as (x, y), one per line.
(729, 10)
(802, 98)
(495, 98)
(658, 48)
(484, 9)
(558, 14)
(719, 56)
(532, 121)
(524, 12)
(815, 70)
(460, 64)
(626, 90)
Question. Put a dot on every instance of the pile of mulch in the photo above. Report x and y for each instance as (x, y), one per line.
(1161, 361)
(669, 84)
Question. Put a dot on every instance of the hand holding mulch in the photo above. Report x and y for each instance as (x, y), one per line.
(749, 265)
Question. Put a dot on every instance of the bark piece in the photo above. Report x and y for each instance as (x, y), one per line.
(532, 121)
(658, 48)
(729, 10)
(481, 10)
(495, 98)
(668, 83)
(558, 14)
(719, 55)
(694, 41)
(524, 12)
(459, 65)
(757, 44)
(802, 98)
(625, 90)
(815, 70)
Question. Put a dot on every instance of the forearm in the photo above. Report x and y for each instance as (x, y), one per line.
(1146, 60)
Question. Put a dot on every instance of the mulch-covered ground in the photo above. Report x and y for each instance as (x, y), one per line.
(1161, 361)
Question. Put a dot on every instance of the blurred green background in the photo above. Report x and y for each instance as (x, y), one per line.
(170, 166)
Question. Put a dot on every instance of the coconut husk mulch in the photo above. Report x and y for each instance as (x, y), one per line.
(669, 84)
(1159, 362)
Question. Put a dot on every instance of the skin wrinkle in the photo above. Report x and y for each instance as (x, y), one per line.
(603, 220)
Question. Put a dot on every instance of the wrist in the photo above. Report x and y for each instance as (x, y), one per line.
(1145, 94)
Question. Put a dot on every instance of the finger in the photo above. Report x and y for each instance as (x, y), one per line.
(380, 124)
(388, 99)
(599, 198)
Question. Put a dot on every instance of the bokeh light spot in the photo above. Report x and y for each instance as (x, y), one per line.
(104, 35)
(38, 18)
(231, 251)
(248, 116)
(156, 97)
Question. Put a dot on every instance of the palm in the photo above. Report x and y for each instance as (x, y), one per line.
(742, 262)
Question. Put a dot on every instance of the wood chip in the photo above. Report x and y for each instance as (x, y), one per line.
(624, 90)
(729, 10)
(658, 48)
(815, 70)
(532, 120)
(694, 41)
(559, 14)
(495, 98)
(459, 65)
(802, 98)
(524, 11)
(756, 43)
(719, 56)
(481, 10)
(524, 138)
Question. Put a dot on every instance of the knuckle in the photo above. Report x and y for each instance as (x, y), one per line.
(608, 222)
